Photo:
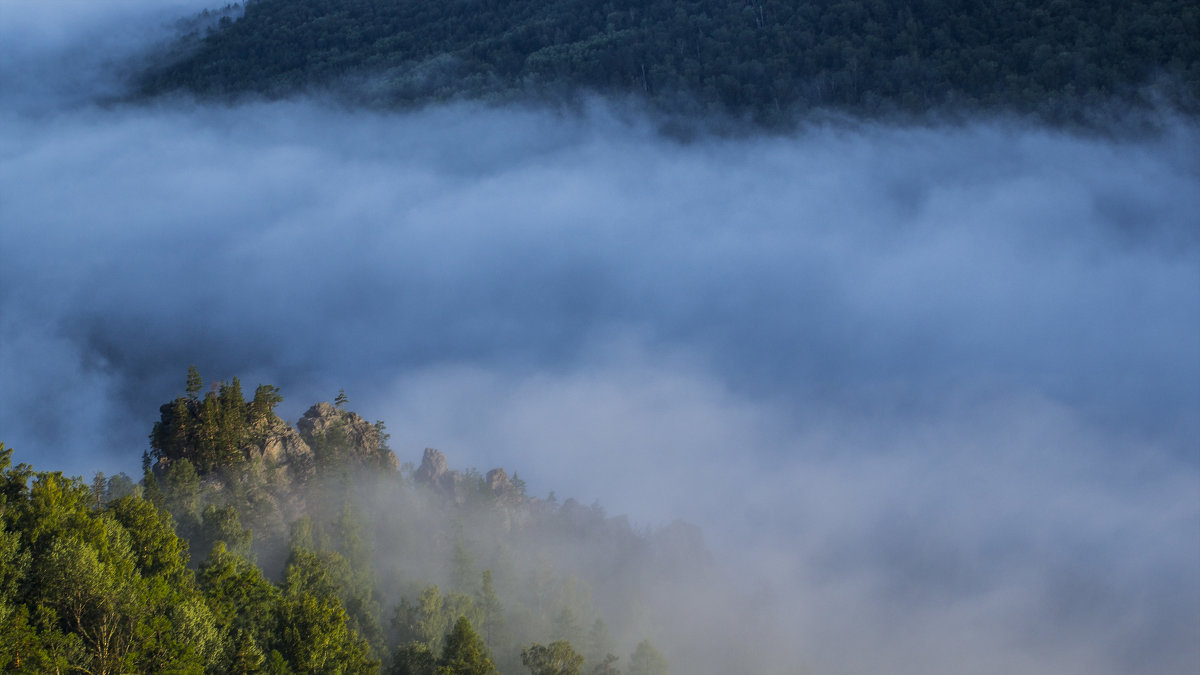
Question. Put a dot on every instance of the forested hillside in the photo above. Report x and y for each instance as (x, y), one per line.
(250, 546)
(763, 59)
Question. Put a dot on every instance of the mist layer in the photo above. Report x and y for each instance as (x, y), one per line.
(932, 391)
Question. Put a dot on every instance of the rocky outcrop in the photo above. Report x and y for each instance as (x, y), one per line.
(336, 434)
(282, 446)
(434, 471)
(498, 483)
(323, 418)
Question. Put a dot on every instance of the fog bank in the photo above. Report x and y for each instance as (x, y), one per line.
(931, 391)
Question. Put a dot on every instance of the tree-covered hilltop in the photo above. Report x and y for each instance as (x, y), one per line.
(251, 546)
(766, 59)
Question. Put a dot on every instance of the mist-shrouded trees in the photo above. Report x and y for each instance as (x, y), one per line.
(243, 565)
(491, 610)
(556, 658)
(109, 590)
(646, 660)
(431, 616)
(210, 432)
(464, 652)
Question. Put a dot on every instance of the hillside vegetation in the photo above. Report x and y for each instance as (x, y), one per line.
(762, 59)
(250, 546)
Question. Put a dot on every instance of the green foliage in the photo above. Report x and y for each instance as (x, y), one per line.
(464, 652)
(328, 575)
(194, 384)
(262, 408)
(211, 432)
(429, 618)
(183, 487)
(557, 658)
(124, 605)
(224, 525)
(108, 590)
(157, 551)
(301, 629)
(245, 606)
(315, 637)
(414, 658)
(120, 486)
(95, 576)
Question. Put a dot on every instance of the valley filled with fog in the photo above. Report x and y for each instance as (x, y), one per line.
(931, 392)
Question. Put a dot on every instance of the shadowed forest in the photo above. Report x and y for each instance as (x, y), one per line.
(763, 60)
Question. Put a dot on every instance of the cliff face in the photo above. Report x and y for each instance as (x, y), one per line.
(285, 451)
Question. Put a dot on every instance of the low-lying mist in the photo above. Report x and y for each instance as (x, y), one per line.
(931, 392)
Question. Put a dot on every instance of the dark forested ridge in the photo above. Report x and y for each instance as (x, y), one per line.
(251, 546)
(764, 59)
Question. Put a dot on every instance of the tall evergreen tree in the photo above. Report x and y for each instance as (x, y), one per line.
(194, 384)
(464, 652)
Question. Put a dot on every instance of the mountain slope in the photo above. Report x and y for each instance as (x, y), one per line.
(766, 59)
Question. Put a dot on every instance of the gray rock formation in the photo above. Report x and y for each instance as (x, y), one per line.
(498, 483)
(324, 425)
(282, 446)
(433, 470)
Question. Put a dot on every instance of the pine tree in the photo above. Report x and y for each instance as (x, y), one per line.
(464, 652)
(194, 384)
(262, 408)
(231, 423)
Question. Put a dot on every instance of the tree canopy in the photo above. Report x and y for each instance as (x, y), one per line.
(226, 558)
(763, 59)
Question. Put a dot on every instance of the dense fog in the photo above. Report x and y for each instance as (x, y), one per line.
(933, 392)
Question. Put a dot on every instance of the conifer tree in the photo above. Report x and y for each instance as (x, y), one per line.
(194, 384)
(464, 652)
